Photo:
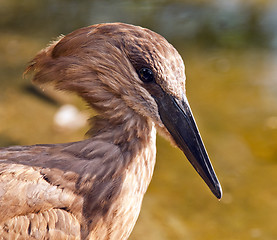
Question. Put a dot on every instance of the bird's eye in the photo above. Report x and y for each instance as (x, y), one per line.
(146, 75)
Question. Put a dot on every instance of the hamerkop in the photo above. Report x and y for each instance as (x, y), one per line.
(93, 189)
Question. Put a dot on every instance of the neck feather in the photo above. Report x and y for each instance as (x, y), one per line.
(131, 133)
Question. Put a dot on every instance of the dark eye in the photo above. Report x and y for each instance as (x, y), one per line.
(146, 75)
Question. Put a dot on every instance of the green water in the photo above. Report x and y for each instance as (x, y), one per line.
(233, 94)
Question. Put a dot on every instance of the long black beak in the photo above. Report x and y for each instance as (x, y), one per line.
(178, 119)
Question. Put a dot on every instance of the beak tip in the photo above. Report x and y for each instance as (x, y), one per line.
(217, 191)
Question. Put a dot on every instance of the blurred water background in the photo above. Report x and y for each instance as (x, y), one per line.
(230, 51)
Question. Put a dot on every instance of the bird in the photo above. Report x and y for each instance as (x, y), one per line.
(93, 189)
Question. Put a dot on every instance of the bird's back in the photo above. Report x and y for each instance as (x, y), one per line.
(32, 206)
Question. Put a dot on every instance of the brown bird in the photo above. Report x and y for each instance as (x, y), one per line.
(93, 189)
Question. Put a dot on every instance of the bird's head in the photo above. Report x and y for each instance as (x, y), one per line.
(119, 66)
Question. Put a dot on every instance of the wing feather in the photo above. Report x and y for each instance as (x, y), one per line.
(31, 206)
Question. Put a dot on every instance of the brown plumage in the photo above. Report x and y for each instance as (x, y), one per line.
(93, 189)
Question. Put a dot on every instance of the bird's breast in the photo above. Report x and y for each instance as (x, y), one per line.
(124, 211)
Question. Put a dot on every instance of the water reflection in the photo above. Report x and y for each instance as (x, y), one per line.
(229, 50)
